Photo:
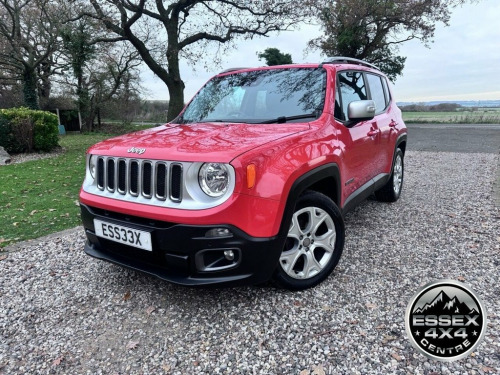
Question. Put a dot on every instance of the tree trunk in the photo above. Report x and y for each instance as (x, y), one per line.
(175, 84)
(84, 105)
(30, 90)
(99, 118)
(176, 103)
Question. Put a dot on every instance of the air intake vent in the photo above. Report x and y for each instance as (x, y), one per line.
(134, 178)
(161, 181)
(122, 176)
(111, 175)
(146, 179)
(100, 173)
(176, 182)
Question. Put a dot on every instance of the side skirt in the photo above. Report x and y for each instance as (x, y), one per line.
(365, 191)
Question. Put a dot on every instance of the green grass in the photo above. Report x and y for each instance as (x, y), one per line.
(41, 197)
(485, 116)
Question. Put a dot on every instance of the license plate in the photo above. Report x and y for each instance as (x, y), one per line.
(125, 235)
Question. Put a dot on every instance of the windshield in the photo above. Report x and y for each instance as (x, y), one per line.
(260, 96)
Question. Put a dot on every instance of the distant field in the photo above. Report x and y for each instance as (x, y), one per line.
(483, 116)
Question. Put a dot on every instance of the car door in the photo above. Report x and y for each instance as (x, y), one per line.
(359, 140)
(384, 120)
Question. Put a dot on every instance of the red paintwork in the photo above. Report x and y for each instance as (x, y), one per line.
(209, 142)
(243, 211)
(280, 152)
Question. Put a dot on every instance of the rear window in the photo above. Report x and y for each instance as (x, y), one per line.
(377, 92)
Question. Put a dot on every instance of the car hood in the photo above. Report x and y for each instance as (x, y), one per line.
(208, 142)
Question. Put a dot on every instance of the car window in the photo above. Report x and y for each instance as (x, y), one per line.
(231, 102)
(352, 88)
(338, 108)
(377, 92)
(259, 95)
(386, 92)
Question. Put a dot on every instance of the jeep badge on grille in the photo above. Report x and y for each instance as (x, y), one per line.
(136, 150)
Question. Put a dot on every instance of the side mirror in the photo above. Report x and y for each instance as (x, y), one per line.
(360, 110)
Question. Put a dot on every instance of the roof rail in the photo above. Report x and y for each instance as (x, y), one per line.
(343, 59)
(233, 69)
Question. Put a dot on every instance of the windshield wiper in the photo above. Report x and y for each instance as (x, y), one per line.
(219, 120)
(283, 119)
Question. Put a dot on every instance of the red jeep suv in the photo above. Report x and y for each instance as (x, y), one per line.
(251, 181)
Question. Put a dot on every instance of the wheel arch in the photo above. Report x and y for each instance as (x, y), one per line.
(324, 179)
(401, 143)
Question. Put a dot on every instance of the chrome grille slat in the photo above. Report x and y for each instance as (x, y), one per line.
(149, 179)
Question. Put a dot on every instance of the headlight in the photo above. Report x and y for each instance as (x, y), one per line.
(213, 179)
(92, 165)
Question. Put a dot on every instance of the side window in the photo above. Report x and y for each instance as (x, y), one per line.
(387, 92)
(377, 92)
(338, 108)
(352, 88)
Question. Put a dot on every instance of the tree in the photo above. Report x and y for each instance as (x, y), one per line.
(80, 52)
(103, 69)
(274, 56)
(29, 38)
(108, 72)
(163, 32)
(372, 30)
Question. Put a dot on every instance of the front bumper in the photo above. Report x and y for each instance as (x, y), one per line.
(183, 254)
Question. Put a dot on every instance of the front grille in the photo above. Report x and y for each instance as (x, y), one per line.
(140, 178)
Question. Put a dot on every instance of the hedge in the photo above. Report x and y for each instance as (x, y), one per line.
(27, 130)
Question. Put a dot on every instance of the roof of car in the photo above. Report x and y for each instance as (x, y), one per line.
(335, 60)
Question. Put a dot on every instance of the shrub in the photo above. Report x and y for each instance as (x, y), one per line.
(26, 130)
(7, 139)
(46, 131)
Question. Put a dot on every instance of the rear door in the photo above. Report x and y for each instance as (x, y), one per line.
(383, 120)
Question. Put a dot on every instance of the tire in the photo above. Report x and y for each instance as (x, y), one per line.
(391, 191)
(313, 245)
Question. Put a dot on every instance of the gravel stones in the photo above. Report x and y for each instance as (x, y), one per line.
(62, 312)
(21, 158)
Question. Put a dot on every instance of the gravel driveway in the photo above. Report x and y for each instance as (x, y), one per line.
(62, 312)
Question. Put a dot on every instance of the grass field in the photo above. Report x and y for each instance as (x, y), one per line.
(41, 197)
(484, 116)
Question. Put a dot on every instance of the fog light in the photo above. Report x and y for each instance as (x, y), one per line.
(229, 254)
(218, 233)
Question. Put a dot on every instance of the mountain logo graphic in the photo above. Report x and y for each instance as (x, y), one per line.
(445, 320)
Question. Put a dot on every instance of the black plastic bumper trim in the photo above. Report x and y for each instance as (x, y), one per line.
(176, 249)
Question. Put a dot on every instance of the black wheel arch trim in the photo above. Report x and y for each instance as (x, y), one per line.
(401, 138)
(301, 184)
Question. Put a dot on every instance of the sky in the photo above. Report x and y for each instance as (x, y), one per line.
(462, 63)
